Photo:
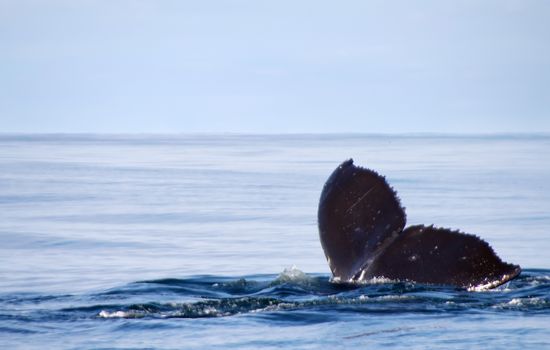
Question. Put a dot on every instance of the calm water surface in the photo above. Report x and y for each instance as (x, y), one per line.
(210, 241)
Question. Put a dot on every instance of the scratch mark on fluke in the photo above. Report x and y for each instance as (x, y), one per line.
(362, 231)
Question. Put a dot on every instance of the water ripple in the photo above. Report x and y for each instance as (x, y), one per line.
(290, 297)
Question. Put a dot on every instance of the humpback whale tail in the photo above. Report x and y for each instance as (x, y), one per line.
(362, 231)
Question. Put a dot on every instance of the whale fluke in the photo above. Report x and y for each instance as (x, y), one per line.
(361, 227)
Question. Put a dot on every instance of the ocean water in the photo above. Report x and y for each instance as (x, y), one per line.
(210, 241)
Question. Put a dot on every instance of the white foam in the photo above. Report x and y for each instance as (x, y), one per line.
(361, 281)
(275, 307)
(210, 311)
(526, 301)
(393, 297)
(114, 314)
(377, 280)
(520, 302)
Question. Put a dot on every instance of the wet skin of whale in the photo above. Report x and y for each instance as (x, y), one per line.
(362, 231)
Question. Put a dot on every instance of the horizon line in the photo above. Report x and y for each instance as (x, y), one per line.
(248, 133)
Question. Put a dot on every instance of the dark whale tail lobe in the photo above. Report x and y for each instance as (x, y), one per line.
(361, 227)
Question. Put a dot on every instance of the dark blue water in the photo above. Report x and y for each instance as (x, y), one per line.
(294, 310)
(187, 241)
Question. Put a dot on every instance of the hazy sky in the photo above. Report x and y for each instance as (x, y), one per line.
(274, 66)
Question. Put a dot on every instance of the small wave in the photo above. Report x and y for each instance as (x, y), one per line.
(201, 309)
(533, 303)
(290, 296)
(391, 330)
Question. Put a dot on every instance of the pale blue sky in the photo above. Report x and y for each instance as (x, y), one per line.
(275, 66)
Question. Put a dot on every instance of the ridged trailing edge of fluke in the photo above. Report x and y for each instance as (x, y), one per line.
(362, 231)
